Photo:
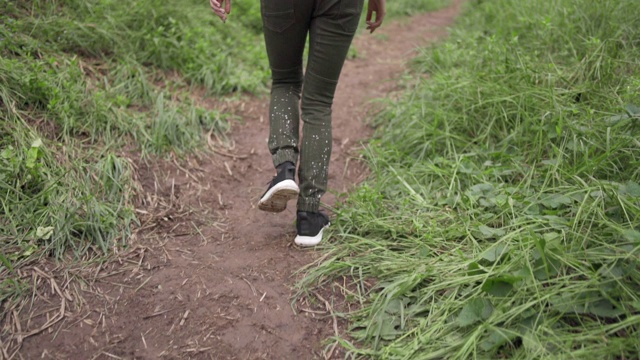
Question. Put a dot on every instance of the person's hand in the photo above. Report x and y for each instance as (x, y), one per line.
(222, 8)
(379, 7)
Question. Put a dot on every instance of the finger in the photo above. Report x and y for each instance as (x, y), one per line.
(380, 17)
(220, 13)
(215, 6)
(227, 6)
(373, 25)
(369, 13)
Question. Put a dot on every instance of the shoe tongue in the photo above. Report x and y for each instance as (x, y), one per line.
(285, 165)
(286, 171)
(291, 172)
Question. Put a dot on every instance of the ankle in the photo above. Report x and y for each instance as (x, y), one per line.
(308, 204)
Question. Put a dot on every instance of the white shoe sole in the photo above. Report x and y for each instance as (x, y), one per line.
(307, 241)
(275, 200)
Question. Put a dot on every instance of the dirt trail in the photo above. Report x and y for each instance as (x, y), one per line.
(210, 276)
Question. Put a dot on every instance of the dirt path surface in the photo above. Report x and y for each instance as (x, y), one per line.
(209, 276)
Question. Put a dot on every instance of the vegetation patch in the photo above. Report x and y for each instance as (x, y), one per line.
(408, 7)
(502, 218)
(88, 87)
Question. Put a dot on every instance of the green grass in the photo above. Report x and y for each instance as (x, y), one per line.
(88, 86)
(401, 8)
(502, 217)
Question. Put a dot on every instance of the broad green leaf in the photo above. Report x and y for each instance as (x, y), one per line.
(488, 202)
(495, 252)
(556, 222)
(477, 309)
(612, 271)
(546, 268)
(7, 153)
(533, 209)
(467, 168)
(586, 302)
(33, 154)
(502, 199)
(569, 303)
(554, 201)
(497, 287)
(630, 188)
(474, 269)
(632, 110)
(395, 306)
(29, 250)
(496, 338)
(480, 189)
(631, 235)
(44, 233)
(551, 236)
(32, 157)
(387, 327)
(425, 251)
(529, 320)
(616, 119)
(604, 308)
(488, 232)
(532, 343)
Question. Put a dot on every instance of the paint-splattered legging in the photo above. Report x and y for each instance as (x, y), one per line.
(331, 25)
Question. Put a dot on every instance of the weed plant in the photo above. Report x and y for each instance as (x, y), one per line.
(502, 217)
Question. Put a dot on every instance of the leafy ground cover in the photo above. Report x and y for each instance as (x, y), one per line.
(502, 217)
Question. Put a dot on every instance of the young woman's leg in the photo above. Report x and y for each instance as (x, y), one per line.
(331, 31)
(286, 24)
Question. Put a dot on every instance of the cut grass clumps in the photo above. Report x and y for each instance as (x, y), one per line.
(56, 202)
(502, 218)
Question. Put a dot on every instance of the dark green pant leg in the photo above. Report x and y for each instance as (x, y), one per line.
(331, 31)
(330, 25)
(285, 27)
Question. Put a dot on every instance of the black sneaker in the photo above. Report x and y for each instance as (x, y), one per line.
(310, 226)
(282, 188)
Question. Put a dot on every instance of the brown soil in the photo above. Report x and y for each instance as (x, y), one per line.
(209, 276)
